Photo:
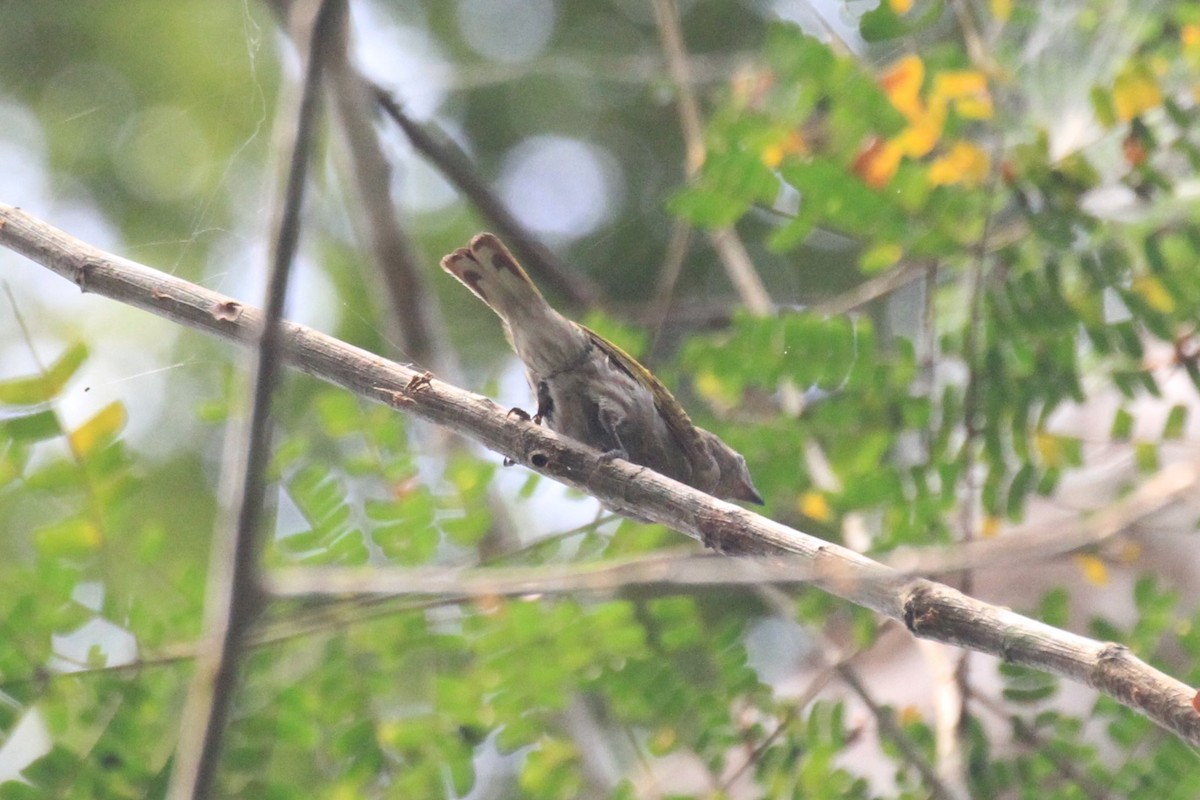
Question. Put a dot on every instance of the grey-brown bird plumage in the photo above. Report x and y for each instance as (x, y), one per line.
(590, 389)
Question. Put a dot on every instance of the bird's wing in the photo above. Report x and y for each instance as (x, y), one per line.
(678, 422)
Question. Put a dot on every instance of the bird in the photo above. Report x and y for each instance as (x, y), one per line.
(590, 389)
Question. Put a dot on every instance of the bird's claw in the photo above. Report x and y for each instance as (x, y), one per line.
(608, 456)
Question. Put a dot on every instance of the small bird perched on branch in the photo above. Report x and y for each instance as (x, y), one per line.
(590, 389)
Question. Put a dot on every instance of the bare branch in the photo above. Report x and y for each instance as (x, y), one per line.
(929, 610)
(648, 575)
(891, 730)
(1039, 542)
(872, 289)
(726, 241)
(574, 287)
(234, 597)
(396, 259)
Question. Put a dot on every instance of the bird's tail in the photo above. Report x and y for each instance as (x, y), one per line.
(544, 339)
(488, 269)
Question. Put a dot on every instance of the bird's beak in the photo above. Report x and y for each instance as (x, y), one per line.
(747, 493)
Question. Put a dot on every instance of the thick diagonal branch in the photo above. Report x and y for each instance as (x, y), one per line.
(928, 609)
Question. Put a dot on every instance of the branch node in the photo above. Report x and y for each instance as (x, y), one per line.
(1112, 653)
(417, 382)
(918, 614)
(394, 398)
(226, 310)
(83, 274)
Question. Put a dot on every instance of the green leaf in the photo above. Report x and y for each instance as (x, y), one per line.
(1102, 104)
(339, 413)
(1176, 422)
(1055, 609)
(1122, 425)
(76, 537)
(44, 388)
(706, 208)
(1022, 484)
(1145, 455)
(31, 427)
(882, 23)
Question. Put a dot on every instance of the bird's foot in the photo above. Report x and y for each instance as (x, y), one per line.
(608, 456)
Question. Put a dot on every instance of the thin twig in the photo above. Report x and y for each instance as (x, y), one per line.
(795, 706)
(725, 241)
(575, 288)
(951, 704)
(642, 576)
(668, 277)
(872, 289)
(1029, 735)
(976, 51)
(397, 261)
(234, 597)
(740, 269)
(421, 327)
(888, 729)
(1038, 543)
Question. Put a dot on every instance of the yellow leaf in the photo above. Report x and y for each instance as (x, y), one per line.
(879, 257)
(663, 739)
(968, 89)
(1151, 289)
(877, 164)
(956, 83)
(1189, 36)
(1094, 570)
(909, 715)
(900, 7)
(922, 135)
(710, 387)
(1001, 10)
(814, 506)
(100, 428)
(772, 155)
(902, 85)
(790, 144)
(965, 163)
(74, 537)
(990, 527)
(1049, 448)
(1135, 92)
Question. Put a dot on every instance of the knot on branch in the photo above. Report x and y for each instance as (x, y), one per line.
(919, 613)
(721, 532)
(83, 272)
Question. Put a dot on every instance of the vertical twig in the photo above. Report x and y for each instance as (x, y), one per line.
(976, 50)
(892, 731)
(951, 704)
(677, 248)
(234, 596)
(422, 328)
(396, 259)
(725, 241)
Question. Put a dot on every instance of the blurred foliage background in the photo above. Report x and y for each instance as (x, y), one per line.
(974, 222)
